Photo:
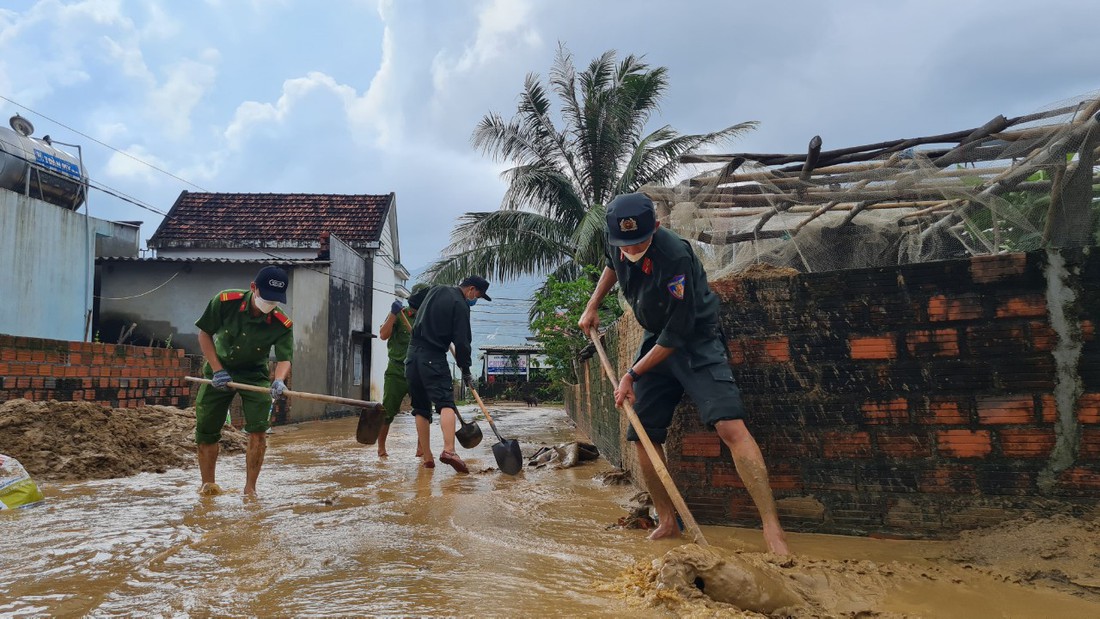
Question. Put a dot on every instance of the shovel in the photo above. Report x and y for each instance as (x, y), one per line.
(651, 451)
(370, 418)
(507, 452)
(469, 435)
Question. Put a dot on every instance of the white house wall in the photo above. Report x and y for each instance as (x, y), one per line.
(384, 292)
(308, 305)
(47, 253)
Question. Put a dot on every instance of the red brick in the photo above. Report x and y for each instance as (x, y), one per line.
(1043, 338)
(1088, 330)
(1088, 408)
(1049, 409)
(1025, 306)
(1026, 442)
(840, 444)
(989, 269)
(898, 444)
(885, 412)
(1006, 409)
(949, 480)
(702, 444)
(873, 347)
(778, 350)
(944, 412)
(963, 307)
(8, 354)
(1090, 444)
(1081, 479)
(964, 443)
(936, 343)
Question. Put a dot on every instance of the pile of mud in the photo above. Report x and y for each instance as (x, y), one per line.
(73, 441)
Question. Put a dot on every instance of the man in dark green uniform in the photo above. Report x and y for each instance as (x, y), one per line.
(236, 333)
(682, 351)
(442, 320)
(396, 333)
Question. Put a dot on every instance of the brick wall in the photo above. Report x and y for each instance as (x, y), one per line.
(914, 400)
(108, 374)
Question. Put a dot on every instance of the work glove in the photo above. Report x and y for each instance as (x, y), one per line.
(221, 380)
(467, 378)
(396, 307)
(277, 389)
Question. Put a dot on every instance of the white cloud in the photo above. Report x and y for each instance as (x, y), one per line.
(502, 26)
(123, 167)
(171, 103)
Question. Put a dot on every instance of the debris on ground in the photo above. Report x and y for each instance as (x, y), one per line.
(564, 456)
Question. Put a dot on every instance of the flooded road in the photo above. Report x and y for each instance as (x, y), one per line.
(336, 531)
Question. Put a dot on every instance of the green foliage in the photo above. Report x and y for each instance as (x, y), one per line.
(558, 307)
(551, 220)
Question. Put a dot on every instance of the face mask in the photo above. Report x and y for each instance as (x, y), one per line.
(262, 304)
(634, 257)
(471, 302)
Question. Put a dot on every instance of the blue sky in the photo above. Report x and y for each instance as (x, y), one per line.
(374, 96)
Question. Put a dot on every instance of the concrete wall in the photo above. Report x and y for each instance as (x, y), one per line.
(916, 400)
(47, 253)
(384, 285)
(308, 305)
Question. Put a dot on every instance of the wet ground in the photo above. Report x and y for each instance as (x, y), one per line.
(337, 531)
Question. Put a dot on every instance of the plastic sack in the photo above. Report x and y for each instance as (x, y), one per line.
(17, 489)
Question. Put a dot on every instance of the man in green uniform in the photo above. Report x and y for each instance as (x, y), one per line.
(236, 333)
(442, 320)
(396, 333)
(683, 350)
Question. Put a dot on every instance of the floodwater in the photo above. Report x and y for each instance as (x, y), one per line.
(337, 531)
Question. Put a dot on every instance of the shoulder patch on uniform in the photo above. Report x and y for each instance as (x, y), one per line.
(230, 295)
(281, 317)
(676, 286)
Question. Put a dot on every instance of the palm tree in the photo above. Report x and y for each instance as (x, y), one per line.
(551, 220)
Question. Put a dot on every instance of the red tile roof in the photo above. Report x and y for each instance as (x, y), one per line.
(232, 220)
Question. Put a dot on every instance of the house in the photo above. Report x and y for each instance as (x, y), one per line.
(341, 252)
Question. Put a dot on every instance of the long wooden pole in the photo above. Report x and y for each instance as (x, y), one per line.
(304, 395)
(651, 450)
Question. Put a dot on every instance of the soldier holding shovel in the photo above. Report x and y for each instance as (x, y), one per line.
(682, 351)
(236, 333)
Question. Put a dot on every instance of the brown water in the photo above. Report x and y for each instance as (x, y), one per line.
(339, 532)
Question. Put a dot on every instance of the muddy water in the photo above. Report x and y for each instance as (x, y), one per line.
(337, 531)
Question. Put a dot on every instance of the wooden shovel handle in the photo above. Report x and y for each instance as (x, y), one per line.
(651, 450)
(304, 395)
(405, 319)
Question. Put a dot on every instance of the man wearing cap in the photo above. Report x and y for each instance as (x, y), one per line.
(682, 350)
(236, 333)
(396, 335)
(442, 320)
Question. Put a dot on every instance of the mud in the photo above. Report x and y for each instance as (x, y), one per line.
(75, 441)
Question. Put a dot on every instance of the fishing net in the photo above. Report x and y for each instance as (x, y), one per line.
(1013, 184)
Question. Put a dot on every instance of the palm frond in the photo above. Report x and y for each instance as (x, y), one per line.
(589, 241)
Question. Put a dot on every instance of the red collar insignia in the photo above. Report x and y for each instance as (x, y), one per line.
(647, 266)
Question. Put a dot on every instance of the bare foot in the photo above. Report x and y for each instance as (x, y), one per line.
(776, 541)
(210, 489)
(382, 453)
(250, 492)
(665, 530)
(419, 452)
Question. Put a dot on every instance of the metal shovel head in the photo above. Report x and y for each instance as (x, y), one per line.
(508, 455)
(469, 435)
(370, 424)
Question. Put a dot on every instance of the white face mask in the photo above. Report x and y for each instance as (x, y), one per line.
(262, 304)
(634, 257)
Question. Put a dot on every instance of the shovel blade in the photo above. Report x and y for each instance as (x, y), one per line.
(509, 457)
(469, 435)
(370, 424)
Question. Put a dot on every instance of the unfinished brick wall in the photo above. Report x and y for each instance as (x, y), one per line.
(916, 400)
(108, 374)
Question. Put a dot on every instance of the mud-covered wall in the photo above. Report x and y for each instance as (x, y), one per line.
(915, 400)
(108, 374)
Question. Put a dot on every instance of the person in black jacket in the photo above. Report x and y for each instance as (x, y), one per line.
(443, 319)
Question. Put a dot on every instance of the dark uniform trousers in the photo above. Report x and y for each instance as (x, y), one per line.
(702, 370)
(429, 378)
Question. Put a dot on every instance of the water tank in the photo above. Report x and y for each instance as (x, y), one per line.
(34, 167)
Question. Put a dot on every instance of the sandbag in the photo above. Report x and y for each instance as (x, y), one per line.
(17, 489)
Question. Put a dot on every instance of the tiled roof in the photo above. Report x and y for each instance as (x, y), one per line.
(166, 260)
(230, 220)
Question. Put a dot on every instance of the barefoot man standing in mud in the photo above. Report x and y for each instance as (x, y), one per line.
(682, 351)
(236, 333)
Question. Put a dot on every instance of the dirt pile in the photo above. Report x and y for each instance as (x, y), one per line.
(72, 441)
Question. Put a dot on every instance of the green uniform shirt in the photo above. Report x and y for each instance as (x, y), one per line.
(243, 341)
(443, 319)
(668, 290)
(398, 344)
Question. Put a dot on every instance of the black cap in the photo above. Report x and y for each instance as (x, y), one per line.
(271, 283)
(631, 219)
(477, 282)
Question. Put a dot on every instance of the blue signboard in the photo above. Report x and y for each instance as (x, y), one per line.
(57, 164)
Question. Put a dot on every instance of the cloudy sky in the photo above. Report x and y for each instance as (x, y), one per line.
(374, 96)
